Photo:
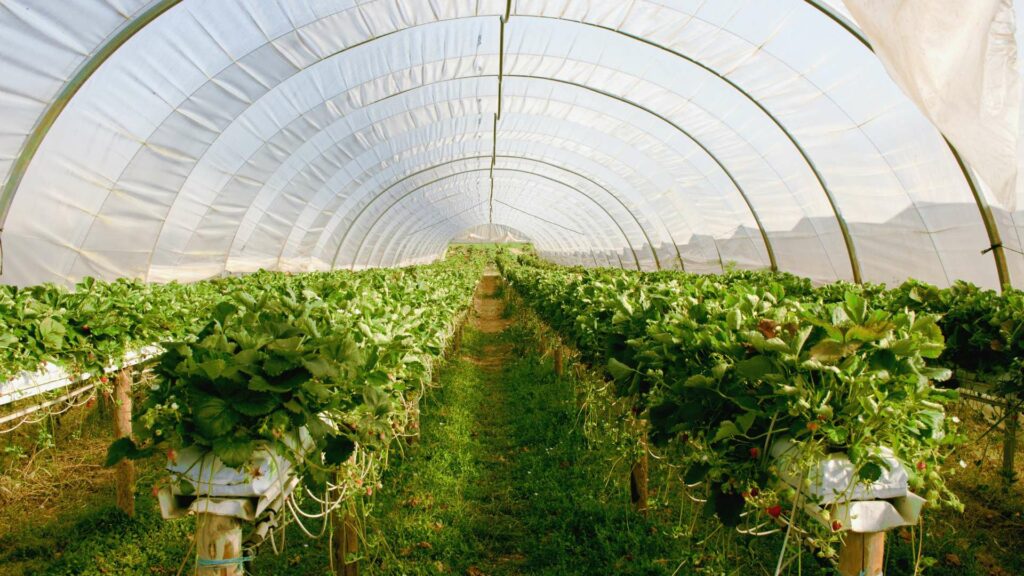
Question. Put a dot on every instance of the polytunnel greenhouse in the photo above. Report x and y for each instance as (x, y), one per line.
(497, 287)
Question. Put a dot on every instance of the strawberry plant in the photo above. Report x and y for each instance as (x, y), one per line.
(730, 364)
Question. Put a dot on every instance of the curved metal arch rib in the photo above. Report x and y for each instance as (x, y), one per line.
(600, 186)
(769, 248)
(390, 234)
(359, 214)
(96, 60)
(437, 238)
(577, 233)
(434, 237)
(377, 220)
(728, 173)
(71, 87)
(991, 228)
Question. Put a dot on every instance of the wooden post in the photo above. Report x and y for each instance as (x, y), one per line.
(125, 471)
(218, 539)
(638, 476)
(863, 554)
(1010, 443)
(638, 484)
(345, 542)
(558, 358)
(414, 422)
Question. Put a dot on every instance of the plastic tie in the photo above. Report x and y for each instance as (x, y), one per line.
(225, 562)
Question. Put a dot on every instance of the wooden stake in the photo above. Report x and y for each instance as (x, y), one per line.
(558, 358)
(414, 423)
(863, 554)
(345, 542)
(218, 538)
(638, 479)
(125, 472)
(1010, 444)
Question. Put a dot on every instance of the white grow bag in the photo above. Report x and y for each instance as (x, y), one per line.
(833, 492)
(256, 494)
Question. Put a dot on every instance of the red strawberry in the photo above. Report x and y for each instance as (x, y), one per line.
(754, 492)
(155, 490)
(837, 525)
(755, 452)
(921, 465)
(812, 426)
(104, 379)
(172, 456)
(90, 402)
(774, 511)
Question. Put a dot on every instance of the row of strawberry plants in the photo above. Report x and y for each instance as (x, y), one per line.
(95, 323)
(983, 328)
(309, 366)
(726, 367)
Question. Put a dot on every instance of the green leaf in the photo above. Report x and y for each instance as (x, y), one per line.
(904, 347)
(864, 334)
(276, 364)
(776, 345)
(338, 450)
(745, 421)
(255, 404)
(869, 472)
(185, 488)
(618, 370)
(8, 340)
(320, 368)
(52, 333)
(222, 310)
(801, 338)
(856, 307)
(727, 429)
(233, 451)
(125, 448)
(937, 374)
(828, 351)
(755, 368)
(734, 319)
(213, 416)
(213, 368)
(699, 381)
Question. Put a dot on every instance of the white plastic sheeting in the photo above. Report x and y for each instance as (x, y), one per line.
(958, 61)
(490, 234)
(297, 135)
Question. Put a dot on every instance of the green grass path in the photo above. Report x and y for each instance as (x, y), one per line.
(502, 481)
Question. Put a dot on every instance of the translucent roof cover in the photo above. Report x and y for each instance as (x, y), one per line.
(181, 139)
